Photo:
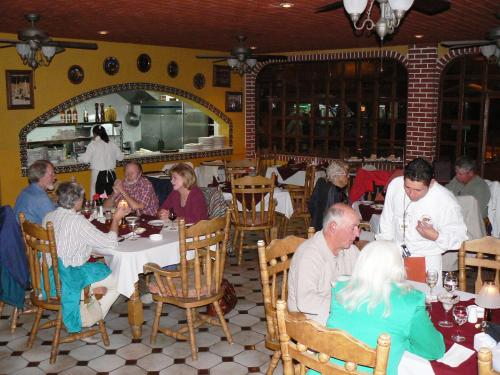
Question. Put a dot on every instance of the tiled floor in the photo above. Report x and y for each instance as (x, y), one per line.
(127, 356)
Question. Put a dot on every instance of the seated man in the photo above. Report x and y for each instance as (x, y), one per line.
(467, 182)
(319, 260)
(33, 201)
(76, 237)
(136, 189)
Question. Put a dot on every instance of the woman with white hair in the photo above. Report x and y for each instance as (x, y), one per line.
(376, 299)
(328, 192)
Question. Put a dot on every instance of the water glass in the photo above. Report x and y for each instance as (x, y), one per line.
(448, 301)
(450, 282)
(460, 315)
(431, 278)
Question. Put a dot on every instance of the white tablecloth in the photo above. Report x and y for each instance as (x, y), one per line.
(283, 201)
(298, 178)
(127, 261)
(205, 174)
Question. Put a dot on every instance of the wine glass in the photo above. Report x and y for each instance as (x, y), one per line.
(172, 216)
(431, 278)
(132, 224)
(450, 282)
(460, 316)
(87, 209)
(448, 300)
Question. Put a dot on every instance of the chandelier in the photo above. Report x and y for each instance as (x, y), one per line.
(35, 55)
(241, 64)
(391, 14)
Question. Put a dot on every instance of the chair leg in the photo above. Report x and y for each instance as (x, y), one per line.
(56, 338)
(2, 304)
(274, 362)
(267, 236)
(156, 322)
(13, 322)
(223, 322)
(285, 226)
(34, 328)
(192, 337)
(240, 247)
(104, 333)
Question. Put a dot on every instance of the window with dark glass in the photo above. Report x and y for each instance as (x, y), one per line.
(332, 109)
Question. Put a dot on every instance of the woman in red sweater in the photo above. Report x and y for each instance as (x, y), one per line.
(186, 200)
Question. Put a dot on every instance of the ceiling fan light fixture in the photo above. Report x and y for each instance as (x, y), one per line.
(49, 52)
(355, 7)
(23, 50)
(488, 51)
(232, 62)
(251, 62)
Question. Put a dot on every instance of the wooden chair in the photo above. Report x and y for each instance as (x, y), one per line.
(16, 312)
(239, 168)
(274, 261)
(265, 161)
(485, 362)
(198, 281)
(300, 196)
(248, 193)
(486, 246)
(40, 243)
(313, 345)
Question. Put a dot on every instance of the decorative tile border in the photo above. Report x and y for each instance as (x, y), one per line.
(23, 133)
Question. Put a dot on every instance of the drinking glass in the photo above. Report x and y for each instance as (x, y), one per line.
(87, 209)
(172, 216)
(132, 224)
(450, 282)
(460, 316)
(431, 278)
(448, 300)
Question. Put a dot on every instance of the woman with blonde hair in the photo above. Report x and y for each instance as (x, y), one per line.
(376, 299)
(328, 192)
(186, 200)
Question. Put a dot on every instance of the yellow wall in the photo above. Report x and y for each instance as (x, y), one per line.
(53, 87)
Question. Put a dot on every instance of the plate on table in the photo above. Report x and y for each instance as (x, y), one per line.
(366, 203)
(156, 223)
(377, 206)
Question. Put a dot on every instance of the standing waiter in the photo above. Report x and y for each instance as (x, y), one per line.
(102, 156)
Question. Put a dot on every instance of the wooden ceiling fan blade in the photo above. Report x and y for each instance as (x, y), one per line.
(212, 57)
(465, 43)
(220, 60)
(68, 44)
(8, 45)
(329, 7)
(269, 57)
(431, 7)
(13, 42)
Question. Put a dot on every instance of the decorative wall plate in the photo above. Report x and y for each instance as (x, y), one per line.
(144, 62)
(172, 69)
(75, 74)
(199, 81)
(111, 65)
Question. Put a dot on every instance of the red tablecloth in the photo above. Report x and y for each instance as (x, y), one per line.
(364, 181)
(468, 330)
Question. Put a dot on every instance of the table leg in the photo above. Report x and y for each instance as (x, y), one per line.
(135, 313)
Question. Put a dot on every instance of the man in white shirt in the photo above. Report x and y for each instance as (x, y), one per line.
(422, 216)
(319, 260)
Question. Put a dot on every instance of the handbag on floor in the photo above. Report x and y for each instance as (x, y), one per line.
(90, 312)
(228, 300)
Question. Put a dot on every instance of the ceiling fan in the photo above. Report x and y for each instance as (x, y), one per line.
(429, 7)
(36, 48)
(241, 58)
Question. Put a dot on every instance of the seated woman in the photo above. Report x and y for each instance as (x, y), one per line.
(76, 237)
(376, 299)
(186, 200)
(328, 192)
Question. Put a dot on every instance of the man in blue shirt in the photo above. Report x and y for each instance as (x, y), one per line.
(33, 201)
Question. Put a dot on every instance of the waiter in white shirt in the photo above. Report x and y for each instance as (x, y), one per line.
(422, 216)
(102, 156)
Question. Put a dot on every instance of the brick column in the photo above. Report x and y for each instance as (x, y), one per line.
(423, 101)
(249, 79)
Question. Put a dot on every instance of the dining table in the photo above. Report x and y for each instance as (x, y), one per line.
(128, 259)
(412, 364)
(291, 175)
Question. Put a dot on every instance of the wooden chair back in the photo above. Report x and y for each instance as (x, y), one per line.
(41, 251)
(312, 346)
(202, 249)
(252, 193)
(485, 362)
(309, 181)
(487, 255)
(265, 161)
(274, 261)
(239, 168)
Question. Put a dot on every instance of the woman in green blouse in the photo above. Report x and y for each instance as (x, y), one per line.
(376, 299)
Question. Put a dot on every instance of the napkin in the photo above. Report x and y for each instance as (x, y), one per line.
(483, 340)
(456, 355)
(412, 364)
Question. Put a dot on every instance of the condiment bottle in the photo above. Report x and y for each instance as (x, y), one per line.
(85, 115)
(97, 114)
(103, 118)
(74, 115)
(63, 116)
(69, 116)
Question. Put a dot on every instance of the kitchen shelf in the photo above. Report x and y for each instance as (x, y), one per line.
(77, 124)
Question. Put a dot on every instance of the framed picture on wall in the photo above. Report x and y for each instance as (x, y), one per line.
(20, 93)
(222, 76)
(234, 101)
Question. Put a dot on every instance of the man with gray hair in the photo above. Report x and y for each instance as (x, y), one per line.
(467, 182)
(319, 260)
(33, 201)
